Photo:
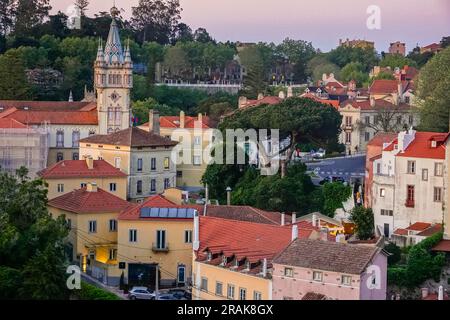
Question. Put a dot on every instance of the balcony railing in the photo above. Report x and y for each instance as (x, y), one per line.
(409, 203)
(160, 248)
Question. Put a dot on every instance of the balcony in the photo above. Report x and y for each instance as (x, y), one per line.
(409, 203)
(160, 248)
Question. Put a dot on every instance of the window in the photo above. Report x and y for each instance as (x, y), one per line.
(348, 137)
(139, 165)
(112, 254)
(346, 280)
(366, 136)
(197, 161)
(438, 169)
(399, 120)
(59, 157)
(378, 168)
(204, 284)
(348, 121)
(197, 141)
(437, 194)
(60, 188)
(257, 295)
(411, 167)
(425, 174)
(60, 139)
(153, 164)
(166, 183)
(407, 100)
(187, 236)
(288, 272)
(166, 163)
(161, 239)
(179, 174)
(317, 276)
(230, 292)
(219, 288)
(388, 213)
(75, 156)
(242, 293)
(112, 225)
(117, 162)
(69, 224)
(75, 139)
(83, 185)
(92, 226)
(139, 187)
(367, 119)
(410, 196)
(382, 192)
(410, 120)
(112, 187)
(153, 185)
(132, 235)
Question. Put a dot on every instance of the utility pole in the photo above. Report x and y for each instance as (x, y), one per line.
(157, 282)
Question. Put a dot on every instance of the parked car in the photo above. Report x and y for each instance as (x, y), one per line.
(180, 294)
(166, 296)
(319, 154)
(141, 293)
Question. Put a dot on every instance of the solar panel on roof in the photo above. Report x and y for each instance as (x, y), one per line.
(171, 213)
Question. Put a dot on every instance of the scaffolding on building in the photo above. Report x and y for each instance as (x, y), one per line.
(26, 147)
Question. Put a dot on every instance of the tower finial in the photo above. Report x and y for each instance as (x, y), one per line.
(114, 11)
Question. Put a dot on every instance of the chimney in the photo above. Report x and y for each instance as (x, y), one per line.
(200, 118)
(264, 268)
(153, 121)
(242, 102)
(260, 96)
(290, 92)
(425, 293)
(282, 95)
(372, 102)
(91, 187)
(441, 293)
(196, 242)
(314, 220)
(90, 162)
(228, 196)
(182, 119)
(294, 232)
(283, 219)
(294, 218)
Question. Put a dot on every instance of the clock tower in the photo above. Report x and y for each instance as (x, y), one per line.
(113, 78)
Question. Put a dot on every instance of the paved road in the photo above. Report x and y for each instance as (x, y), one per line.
(348, 167)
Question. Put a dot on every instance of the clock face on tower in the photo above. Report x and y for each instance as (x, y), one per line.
(114, 96)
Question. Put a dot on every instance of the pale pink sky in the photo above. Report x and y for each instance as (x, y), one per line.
(323, 22)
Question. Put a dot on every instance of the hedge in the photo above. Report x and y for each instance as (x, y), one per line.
(90, 292)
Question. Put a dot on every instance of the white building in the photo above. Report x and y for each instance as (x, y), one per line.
(408, 181)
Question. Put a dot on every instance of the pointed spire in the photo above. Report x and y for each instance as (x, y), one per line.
(128, 53)
(113, 46)
(70, 96)
(100, 55)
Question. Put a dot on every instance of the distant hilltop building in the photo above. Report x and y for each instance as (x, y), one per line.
(433, 48)
(397, 48)
(357, 43)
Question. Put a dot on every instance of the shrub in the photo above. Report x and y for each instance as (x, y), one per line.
(90, 292)
(396, 253)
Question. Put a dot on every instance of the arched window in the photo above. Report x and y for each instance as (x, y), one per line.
(60, 139)
(75, 138)
(118, 116)
(110, 115)
(110, 130)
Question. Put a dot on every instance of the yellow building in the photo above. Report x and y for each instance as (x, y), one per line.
(233, 259)
(144, 156)
(193, 132)
(68, 175)
(91, 214)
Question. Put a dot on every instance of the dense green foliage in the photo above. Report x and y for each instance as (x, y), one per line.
(364, 222)
(32, 260)
(334, 195)
(90, 292)
(422, 264)
(397, 61)
(434, 81)
(395, 253)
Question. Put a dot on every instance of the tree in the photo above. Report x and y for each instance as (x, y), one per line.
(156, 20)
(343, 55)
(298, 52)
(176, 63)
(334, 195)
(395, 253)
(13, 82)
(255, 80)
(420, 58)
(388, 119)
(141, 109)
(82, 5)
(7, 13)
(32, 258)
(364, 222)
(182, 33)
(397, 61)
(354, 71)
(325, 68)
(29, 14)
(201, 35)
(433, 93)
(445, 42)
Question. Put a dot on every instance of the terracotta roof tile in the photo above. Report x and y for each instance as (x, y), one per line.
(11, 124)
(326, 255)
(443, 245)
(314, 296)
(133, 137)
(421, 147)
(431, 230)
(419, 226)
(79, 168)
(83, 201)
(381, 138)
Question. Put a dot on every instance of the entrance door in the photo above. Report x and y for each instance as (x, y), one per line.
(386, 229)
(181, 279)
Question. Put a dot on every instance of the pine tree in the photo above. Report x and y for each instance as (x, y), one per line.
(13, 82)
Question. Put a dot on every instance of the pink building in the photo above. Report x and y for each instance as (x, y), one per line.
(314, 269)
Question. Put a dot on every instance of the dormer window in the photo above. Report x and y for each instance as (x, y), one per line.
(224, 260)
(247, 265)
(209, 256)
(433, 144)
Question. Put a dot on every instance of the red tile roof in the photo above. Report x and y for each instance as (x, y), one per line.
(265, 100)
(133, 137)
(443, 245)
(431, 230)
(54, 112)
(420, 147)
(243, 240)
(334, 103)
(401, 232)
(83, 201)
(385, 86)
(79, 168)
(379, 104)
(189, 122)
(11, 124)
(381, 138)
(419, 226)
